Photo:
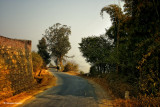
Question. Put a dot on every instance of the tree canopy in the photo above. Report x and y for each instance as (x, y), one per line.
(136, 34)
(96, 51)
(136, 45)
(37, 61)
(43, 51)
(57, 37)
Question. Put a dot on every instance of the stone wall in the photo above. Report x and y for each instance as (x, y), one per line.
(15, 66)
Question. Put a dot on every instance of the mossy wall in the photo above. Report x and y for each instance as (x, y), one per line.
(16, 72)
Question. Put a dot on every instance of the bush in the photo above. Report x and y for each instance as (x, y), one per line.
(93, 71)
(71, 66)
(37, 62)
(81, 72)
(119, 84)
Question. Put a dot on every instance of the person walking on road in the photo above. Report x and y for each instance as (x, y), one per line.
(57, 68)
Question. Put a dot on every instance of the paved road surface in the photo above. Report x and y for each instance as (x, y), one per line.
(71, 91)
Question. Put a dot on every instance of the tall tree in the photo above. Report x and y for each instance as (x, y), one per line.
(143, 35)
(145, 38)
(96, 51)
(116, 16)
(57, 37)
(42, 51)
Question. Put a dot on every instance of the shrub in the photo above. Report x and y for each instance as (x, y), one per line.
(37, 61)
(81, 72)
(93, 71)
(119, 84)
(71, 66)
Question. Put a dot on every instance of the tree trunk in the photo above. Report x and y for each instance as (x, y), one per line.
(104, 70)
(61, 63)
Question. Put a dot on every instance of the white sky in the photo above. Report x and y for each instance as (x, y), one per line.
(28, 19)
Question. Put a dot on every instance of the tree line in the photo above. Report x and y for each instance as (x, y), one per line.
(130, 48)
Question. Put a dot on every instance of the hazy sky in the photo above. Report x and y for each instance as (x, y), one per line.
(28, 19)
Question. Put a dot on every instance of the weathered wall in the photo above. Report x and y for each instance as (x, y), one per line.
(15, 66)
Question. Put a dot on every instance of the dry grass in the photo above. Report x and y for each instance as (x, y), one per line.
(102, 83)
(48, 81)
(114, 102)
(125, 103)
(142, 102)
(104, 98)
(72, 73)
(119, 102)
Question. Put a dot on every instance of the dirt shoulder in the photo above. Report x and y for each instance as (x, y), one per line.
(99, 83)
(104, 98)
(48, 81)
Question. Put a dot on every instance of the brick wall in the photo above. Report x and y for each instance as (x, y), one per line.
(15, 66)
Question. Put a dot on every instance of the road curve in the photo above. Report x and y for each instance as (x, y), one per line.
(71, 91)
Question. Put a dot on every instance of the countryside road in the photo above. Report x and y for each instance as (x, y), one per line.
(71, 91)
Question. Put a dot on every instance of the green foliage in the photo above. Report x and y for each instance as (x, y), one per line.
(71, 66)
(117, 17)
(115, 13)
(145, 25)
(37, 61)
(81, 72)
(57, 37)
(119, 83)
(42, 51)
(136, 37)
(135, 52)
(96, 50)
(93, 71)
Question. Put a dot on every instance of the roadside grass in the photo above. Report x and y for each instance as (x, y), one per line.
(138, 102)
(114, 102)
(48, 80)
(102, 83)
